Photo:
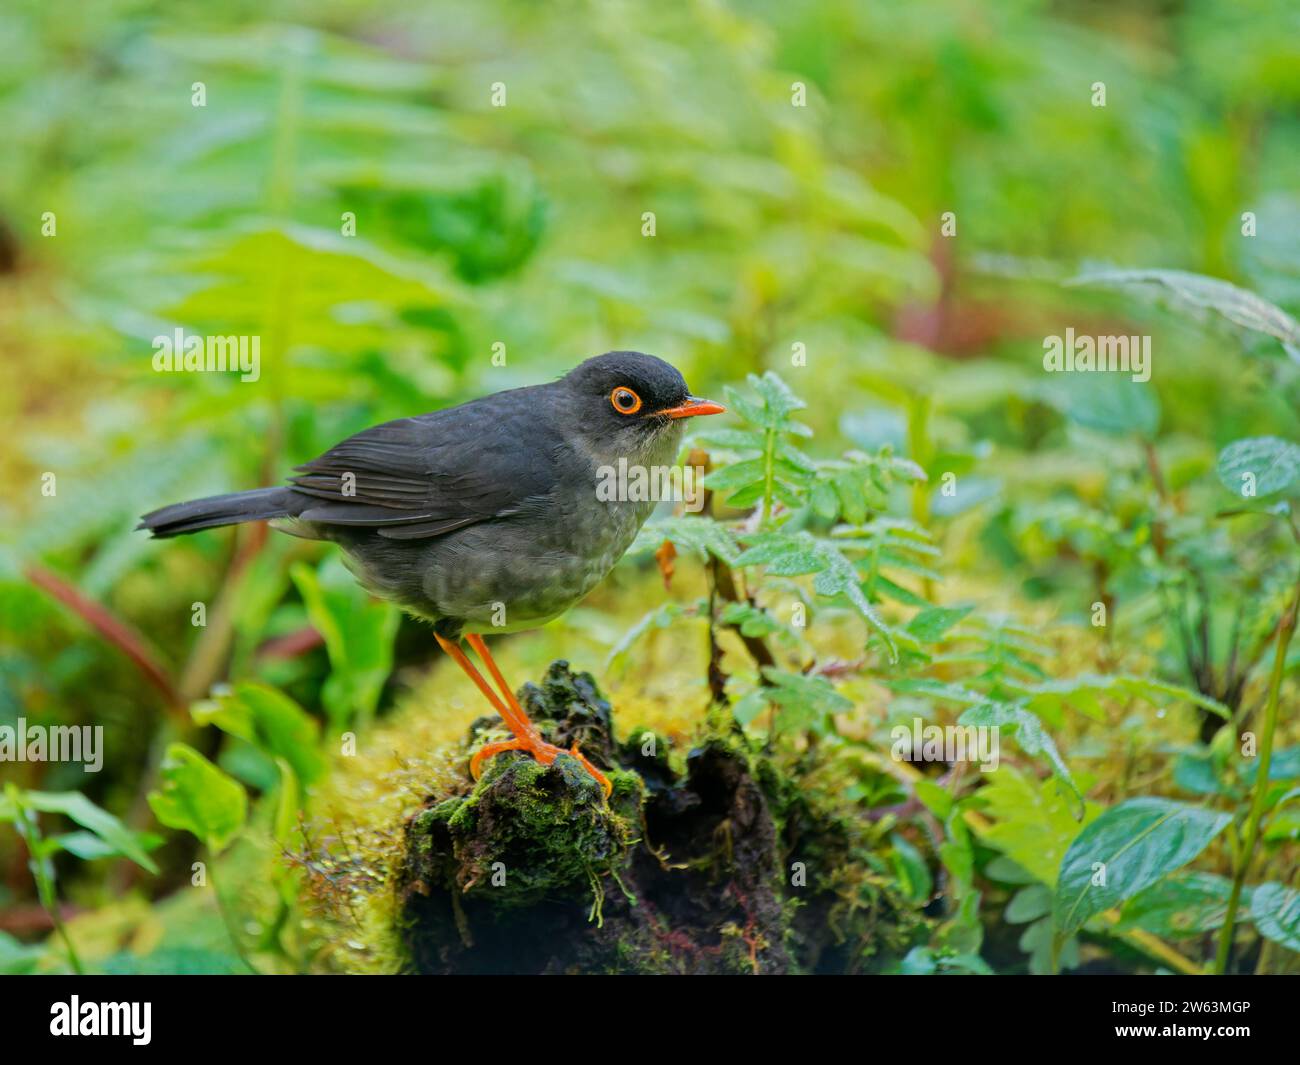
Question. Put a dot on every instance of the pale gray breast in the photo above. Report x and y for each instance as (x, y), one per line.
(521, 571)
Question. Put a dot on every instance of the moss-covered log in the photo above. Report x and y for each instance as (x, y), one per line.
(722, 864)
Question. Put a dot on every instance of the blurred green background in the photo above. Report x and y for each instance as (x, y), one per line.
(798, 160)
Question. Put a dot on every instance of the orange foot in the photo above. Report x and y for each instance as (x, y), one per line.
(526, 737)
(541, 750)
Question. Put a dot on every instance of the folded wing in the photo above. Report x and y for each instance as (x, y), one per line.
(426, 476)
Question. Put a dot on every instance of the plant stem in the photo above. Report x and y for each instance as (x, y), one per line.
(227, 918)
(769, 472)
(61, 928)
(29, 830)
(1285, 630)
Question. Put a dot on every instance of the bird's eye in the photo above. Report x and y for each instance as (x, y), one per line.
(625, 400)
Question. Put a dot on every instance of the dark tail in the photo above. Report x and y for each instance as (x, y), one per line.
(257, 505)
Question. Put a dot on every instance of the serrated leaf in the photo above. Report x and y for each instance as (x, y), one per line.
(784, 554)
(699, 536)
(733, 439)
(1029, 733)
(803, 699)
(1070, 691)
(736, 475)
(930, 625)
(1032, 823)
(1237, 305)
(910, 870)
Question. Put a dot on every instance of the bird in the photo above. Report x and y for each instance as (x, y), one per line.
(486, 516)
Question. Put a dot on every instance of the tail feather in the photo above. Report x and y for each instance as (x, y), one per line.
(257, 505)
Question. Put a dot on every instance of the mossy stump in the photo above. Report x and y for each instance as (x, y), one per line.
(531, 871)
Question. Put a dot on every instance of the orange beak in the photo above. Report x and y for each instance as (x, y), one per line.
(694, 407)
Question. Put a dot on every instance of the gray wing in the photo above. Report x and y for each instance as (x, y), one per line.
(426, 476)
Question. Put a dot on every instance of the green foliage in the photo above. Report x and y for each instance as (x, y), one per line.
(1181, 905)
(1276, 912)
(358, 633)
(1273, 464)
(272, 722)
(1126, 849)
(199, 798)
(105, 835)
(910, 522)
(1196, 292)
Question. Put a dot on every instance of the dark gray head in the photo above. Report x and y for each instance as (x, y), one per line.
(625, 399)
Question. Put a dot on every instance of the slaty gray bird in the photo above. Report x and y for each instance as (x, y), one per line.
(486, 516)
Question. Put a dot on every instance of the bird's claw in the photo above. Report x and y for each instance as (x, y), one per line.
(544, 752)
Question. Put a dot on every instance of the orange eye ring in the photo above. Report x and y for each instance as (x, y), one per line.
(624, 400)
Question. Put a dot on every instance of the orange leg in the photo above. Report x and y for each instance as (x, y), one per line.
(527, 738)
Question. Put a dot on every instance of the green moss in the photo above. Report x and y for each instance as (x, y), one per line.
(527, 832)
(686, 868)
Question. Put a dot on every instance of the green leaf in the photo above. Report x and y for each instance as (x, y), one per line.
(1185, 904)
(659, 618)
(358, 632)
(74, 805)
(911, 870)
(1079, 692)
(755, 621)
(924, 961)
(1032, 823)
(1006, 871)
(848, 486)
(737, 475)
(16, 958)
(1029, 733)
(1284, 765)
(784, 554)
(930, 625)
(803, 700)
(698, 536)
(747, 708)
(934, 797)
(1197, 291)
(1199, 774)
(272, 722)
(1045, 957)
(199, 798)
(825, 501)
(85, 845)
(1276, 910)
(1028, 904)
(1274, 465)
(1110, 403)
(733, 439)
(1130, 846)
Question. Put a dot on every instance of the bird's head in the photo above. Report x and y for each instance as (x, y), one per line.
(630, 403)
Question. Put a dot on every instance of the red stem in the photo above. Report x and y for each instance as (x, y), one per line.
(117, 632)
